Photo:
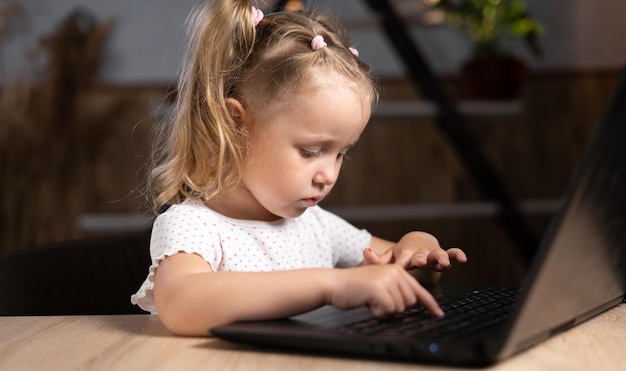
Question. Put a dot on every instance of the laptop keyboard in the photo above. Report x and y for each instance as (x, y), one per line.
(464, 315)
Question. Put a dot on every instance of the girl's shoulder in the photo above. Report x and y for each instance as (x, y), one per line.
(188, 211)
(189, 206)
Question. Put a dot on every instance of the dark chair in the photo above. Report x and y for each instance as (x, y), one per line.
(95, 275)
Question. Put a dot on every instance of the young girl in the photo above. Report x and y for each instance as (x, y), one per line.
(267, 109)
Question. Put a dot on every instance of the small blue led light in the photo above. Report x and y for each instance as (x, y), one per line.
(433, 347)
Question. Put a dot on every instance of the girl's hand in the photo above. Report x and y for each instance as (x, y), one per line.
(417, 250)
(384, 289)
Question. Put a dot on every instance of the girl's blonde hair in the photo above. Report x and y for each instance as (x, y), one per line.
(200, 149)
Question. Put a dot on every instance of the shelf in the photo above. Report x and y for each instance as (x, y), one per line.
(438, 210)
(114, 222)
(400, 109)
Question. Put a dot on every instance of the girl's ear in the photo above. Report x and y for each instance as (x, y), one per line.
(236, 110)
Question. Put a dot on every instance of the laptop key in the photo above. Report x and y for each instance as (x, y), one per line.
(464, 315)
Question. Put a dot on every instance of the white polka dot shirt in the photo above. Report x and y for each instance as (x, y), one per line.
(316, 239)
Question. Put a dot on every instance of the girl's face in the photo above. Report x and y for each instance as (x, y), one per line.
(296, 148)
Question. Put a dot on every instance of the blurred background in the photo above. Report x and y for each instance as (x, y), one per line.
(82, 83)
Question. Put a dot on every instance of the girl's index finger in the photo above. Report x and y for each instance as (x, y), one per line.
(428, 301)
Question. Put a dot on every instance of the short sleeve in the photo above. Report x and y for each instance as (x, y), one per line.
(186, 227)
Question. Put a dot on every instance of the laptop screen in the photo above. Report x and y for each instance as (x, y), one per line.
(579, 269)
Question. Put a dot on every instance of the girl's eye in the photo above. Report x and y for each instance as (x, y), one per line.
(307, 153)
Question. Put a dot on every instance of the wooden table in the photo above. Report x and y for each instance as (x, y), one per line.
(140, 342)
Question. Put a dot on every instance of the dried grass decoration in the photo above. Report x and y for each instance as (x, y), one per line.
(50, 138)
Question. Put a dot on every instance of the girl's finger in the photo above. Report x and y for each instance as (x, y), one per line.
(457, 255)
(370, 257)
(386, 257)
(426, 299)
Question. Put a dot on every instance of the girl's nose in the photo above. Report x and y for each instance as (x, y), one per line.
(328, 174)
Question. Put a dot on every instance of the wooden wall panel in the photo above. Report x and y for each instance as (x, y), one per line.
(396, 162)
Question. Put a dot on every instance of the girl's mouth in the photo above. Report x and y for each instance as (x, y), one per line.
(312, 201)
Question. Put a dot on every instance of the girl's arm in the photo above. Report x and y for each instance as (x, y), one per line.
(191, 298)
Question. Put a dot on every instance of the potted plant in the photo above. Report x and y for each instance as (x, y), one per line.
(493, 71)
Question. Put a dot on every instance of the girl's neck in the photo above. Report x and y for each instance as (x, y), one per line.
(236, 204)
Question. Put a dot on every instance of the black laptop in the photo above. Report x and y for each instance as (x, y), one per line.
(578, 272)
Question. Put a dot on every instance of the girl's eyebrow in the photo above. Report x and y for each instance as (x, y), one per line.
(343, 149)
(326, 142)
(314, 139)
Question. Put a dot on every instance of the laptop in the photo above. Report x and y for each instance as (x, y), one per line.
(578, 272)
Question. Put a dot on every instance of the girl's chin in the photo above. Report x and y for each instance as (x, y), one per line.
(293, 213)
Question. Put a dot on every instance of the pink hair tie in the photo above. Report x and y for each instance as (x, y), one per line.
(354, 51)
(318, 42)
(257, 14)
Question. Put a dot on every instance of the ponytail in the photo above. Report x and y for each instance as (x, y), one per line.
(202, 147)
